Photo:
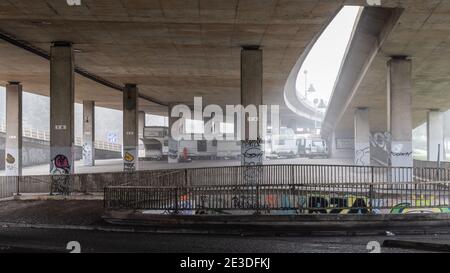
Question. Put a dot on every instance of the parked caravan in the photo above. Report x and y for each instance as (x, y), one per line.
(316, 147)
(285, 144)
(156, 142)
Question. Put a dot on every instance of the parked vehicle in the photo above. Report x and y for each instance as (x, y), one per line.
(156, 142)
(284, 144)
(316, 148)
(228, 149)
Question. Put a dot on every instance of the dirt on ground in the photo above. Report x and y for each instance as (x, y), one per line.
(64, 212)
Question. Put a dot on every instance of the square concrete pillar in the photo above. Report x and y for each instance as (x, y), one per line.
(252, 151)
(362, 137)
(62, 111)
(400, 111)
(13, 144)
(130, 128)
(435, 135)
(141, 124)
(89, 133)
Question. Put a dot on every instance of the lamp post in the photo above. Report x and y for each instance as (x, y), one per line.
(306, 83)
(311, 89)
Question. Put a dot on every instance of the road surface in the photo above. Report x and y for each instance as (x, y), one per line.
(56, 240)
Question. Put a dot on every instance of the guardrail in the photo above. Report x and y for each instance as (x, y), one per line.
(45, 136)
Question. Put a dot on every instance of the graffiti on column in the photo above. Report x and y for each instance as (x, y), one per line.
(252, 158)
(173, 151)
(60, 171)
(129, 161)
(401, 149)
(381, 140)
(87, 153)
(11, 164)
(361, 156)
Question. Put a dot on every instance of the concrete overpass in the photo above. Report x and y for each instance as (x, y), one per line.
(394, 78)
(148, 55)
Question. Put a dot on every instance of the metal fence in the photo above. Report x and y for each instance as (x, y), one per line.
(223, 176)
(294, 198)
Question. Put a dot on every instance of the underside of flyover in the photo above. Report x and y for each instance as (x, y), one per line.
(173, 50)
(420, 31)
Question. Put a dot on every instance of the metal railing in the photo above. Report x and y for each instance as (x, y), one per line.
(45, 136)
(233, 182)
(297, 198)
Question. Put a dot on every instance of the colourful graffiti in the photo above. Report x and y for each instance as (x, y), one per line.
(406, 208)
(129, 162)
(60, 165)
(60, 170)
(10, 159)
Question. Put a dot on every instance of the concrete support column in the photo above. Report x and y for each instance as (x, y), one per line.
(13, 144)
(435, 135)
(62, 112)
(400, 111)
(252, 153)
(130, 128)
(141, 124)
(362, 137)
(173, 155)
(89, 133)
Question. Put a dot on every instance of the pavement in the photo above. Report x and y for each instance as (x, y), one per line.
(48, 226)
(116, 165)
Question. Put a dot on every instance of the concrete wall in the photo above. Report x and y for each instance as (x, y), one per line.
(37, 152)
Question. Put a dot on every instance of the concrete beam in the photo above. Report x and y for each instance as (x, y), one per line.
(88, 133)
(13, 145)
(130, 128)
(435, 135)
(62, 86)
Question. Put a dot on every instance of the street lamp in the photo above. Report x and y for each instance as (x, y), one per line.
(322, 105)
(311, 89)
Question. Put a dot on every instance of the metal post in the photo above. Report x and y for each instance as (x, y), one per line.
(372, 168)
(18, 186)
(176, 201)
(439, 163)
(257, 212)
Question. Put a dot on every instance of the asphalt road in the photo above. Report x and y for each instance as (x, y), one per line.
(56, 240)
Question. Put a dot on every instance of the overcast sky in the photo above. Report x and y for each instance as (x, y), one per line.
(325, 58)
